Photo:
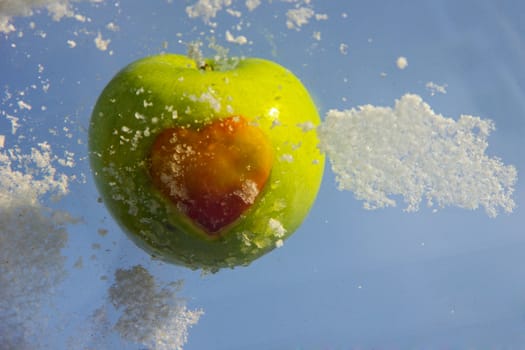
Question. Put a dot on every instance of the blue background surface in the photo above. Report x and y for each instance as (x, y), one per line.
(348, 278)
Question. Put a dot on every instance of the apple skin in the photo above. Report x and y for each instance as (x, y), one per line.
(168, 90)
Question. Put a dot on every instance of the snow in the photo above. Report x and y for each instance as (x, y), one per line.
(32, 236)
(57, 9)
(100, 43)
(296, 18)
(240, 40)
(401, 62)
(436, 88)
(152, 313)
(409, 150)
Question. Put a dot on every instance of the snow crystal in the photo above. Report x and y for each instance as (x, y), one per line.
(411, 151)
(152, 314)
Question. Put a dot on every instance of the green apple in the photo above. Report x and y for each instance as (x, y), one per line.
(206, 165)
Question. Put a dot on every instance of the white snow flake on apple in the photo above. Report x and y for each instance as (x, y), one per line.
(209, 97)
(306, 126)
(207, 9)
(295, 18)
(248, 192)
(409, 150)
(252, 4)
(113, 27)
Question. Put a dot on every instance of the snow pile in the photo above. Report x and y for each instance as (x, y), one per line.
(409, 150)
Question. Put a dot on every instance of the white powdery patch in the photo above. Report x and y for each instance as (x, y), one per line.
(411, 151)
(151, 316)
(401, 62)
(207, 9)
(31, 239)
(295, 18)
(57, 9)
(208, 97)
(276, 228)
(240, 40)
(436, 88)
(100, 43)
(252, 4)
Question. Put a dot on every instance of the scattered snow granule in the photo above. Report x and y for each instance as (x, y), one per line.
(317, 36)
(2, 141)
(57, 9)
(295, 18)
(24, 105)
(208, 97)
(14, 123)
(32, 237)
(343, 49)
(234, 13)
(206, 9)
(100, 43)
(306, 126)
(252, 4)
(241, 39)
(287, 158)
(80, 18)
(248, 192)
(113, 27)
(435, 88)
(409, 150)
(152, 315)
(401, 62)
(71, 43)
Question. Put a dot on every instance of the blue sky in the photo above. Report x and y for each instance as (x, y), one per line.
(349, 278)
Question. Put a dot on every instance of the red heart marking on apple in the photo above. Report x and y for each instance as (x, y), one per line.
(212, 174)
